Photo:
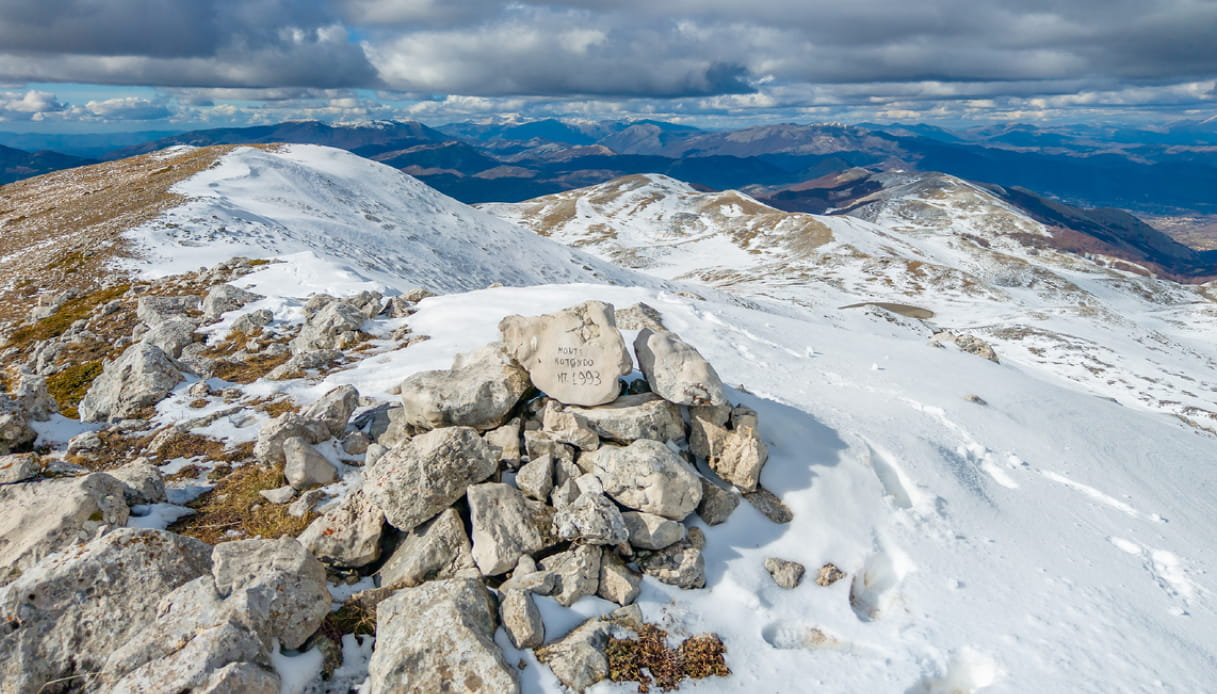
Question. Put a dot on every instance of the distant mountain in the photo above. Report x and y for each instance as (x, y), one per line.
(365, 138)
(87, 145)
(16, 164)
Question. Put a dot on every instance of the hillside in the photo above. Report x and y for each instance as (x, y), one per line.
(16, 164)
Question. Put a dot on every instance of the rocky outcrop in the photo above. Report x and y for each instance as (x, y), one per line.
(142, 376)
(439, 637)
(575, 355)
(480, 390)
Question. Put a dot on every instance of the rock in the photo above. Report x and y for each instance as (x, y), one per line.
(737, 455)
(576, 572)
(334, 409)
(535, 478)
(648, 531)
(171, 336)
(15, 431)
(155, 309)
(633, 417)
(717, 504)
(539, 443)
(967, 343)
(829, 574)
(578, 659)
(480, 390)
(374, 453)
(281, 585)
(305, 503)
(676, 371)
(348, 534)
(223, 298)
(575, 355)
(521, 619)
(680, 564)
(785, 573)
(437, 549)
(269, 447)
(568, 427)
(646, 476)
(142, 483)
(769, 505)
(279, 495)
(507, 439)
(439, 637)
(304, 467)
(140, 377)
(52, 633)
(302, 363)
(18, 467)
(640, 316)
(206, 657)
(33, 399)
(593, 519)
(355, 443)
(252, 321)
(51, 515)
(369, 303)
(617, 582)
(334, 326)
(505, 526)
(418, 479)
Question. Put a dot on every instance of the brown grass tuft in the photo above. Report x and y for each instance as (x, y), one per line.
(649, 660)
(235, 505)
(69, 386)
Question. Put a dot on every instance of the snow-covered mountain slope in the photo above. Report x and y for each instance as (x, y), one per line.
(937, 243)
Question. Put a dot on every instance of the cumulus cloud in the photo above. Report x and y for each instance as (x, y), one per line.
(30, 105)
(128, 108)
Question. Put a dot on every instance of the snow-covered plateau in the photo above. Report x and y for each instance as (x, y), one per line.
(1040, 521)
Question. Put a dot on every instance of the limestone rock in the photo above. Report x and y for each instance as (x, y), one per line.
(540, 443)
(505, 526)
(575, 355)
(617, 582)
(480, 390)
(140, 377)
(717, 504)
(305, 503)
(254, 320)
(304, 467)
(646, 476)
(681, 564)
(223, 298)
(439, 637)
(57, 634)
(536, 478)
(155, 309)
(332, 327)
(348, 534)
(51, 515)
(769, 505)
(521, 619)
(737, 455)
(33, 399)
(648, 531)
(785, 573)
(282, 586)
(279, 495)
(633, 417)
(829, 574)
(422, 477)
(142, 483)
(171, 336)
(568, 427)
(640, 316)
(528, 578)
(437, 549)
(507, 439)
(578, 659)
(576, 572)
(18, 467)
(206, 658)
(676, 371)
(334, 409)
(593, 519)
(15, 430)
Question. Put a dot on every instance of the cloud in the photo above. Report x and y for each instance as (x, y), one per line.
(128, 108)
(31, 105)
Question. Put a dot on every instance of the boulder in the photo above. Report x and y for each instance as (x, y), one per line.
(737, 455)
(575, 355)
(506, 525)
(480, 390)
(717, 504)
(334, 409)
(155, 309)
(33, 399)
(171, 336)
(269, 447)
(142, 483)
(578, 659)
(568, 427)
(540, 443)
(279, 495)
(334, 326)
(15, 430)
(785, 573)
(254, 320)
(680, 564)
(348, 533)
(19, 467)
(593, 519)
(640, 316)
(507, 440)
(633, 417)
(439, 637)
(280, 585)
(646, 476)
(223, 298)
(207, 655)
(617, 582)
(51, 515)
(536, 478)
(140, 377)
(676, 371)
(437, 549)
(648, 531)
(576, 573)
(304, 467)
(53, 633)
(422, 477)
(521, 619)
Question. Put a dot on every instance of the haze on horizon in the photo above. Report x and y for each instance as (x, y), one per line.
(112, 65)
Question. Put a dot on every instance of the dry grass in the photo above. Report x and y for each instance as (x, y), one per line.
(69, 386)
(648, 660)
(354, 617)
(275, 406)
(251, 368)
(71, 311)
(234, 509)
(116, 451)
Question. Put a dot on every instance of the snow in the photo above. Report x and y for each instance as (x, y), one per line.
(296, 671)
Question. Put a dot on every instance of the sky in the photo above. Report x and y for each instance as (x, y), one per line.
(144, 65)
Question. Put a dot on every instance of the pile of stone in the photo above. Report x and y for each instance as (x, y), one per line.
(534, 468)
